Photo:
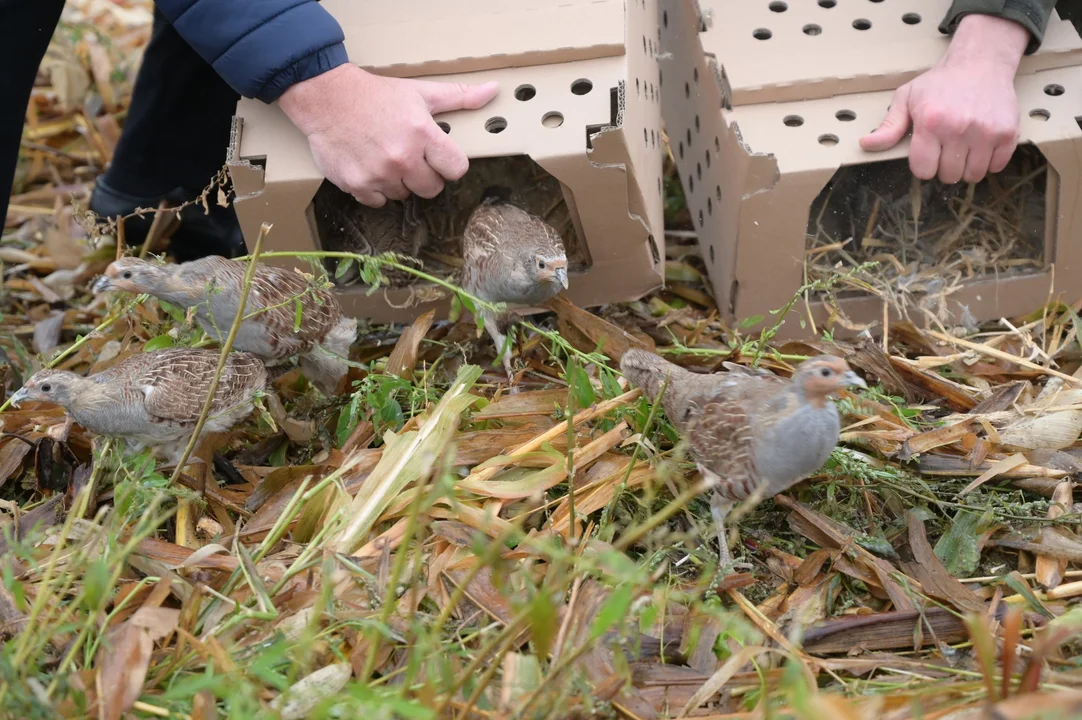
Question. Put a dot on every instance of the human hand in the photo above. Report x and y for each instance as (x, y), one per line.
(963, 111)
(374, 136)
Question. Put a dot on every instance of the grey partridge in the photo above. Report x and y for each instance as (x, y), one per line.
(213, 287)
(749, 431)
(510, 256)
(347, 225)
(153, 399)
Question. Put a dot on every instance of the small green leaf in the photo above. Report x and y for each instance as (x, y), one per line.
(343, 268)
(298, 314)
(95, 584)
(580, 385)
(612, 611)
(750, 321)
(157, 343)
(174, 311)
(455, 311)
(543, 623)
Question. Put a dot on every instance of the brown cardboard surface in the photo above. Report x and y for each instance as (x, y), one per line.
(614, 189)
(750, 180)
(899, 41)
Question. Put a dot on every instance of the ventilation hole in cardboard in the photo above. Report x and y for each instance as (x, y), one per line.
(876, 1)
(695, 74)
(846, 115)
(1053, 89)
(654, 252)
(680, 149)
(793, 121)
(828, 140)
(643, 44)
(911, 18)
(581, 86)
(711, 253)
(687, 90)
(552, 119)
(689, 137)
(691, 184)
(659, 190)
(665, 18)
(525, 92)
(699, 170)
(702, 220)
(717, 192)
(496, 124)
(1040, 114)
(827, 3)
(696, 123)
(660, 79)
(762, 34)
(717, 145)
(653, 138)
(638, 90)
(645, 138)
(709, 206)
(444, 126)
(812, 29)
(708, 158)
(862, 24)
(778, 7)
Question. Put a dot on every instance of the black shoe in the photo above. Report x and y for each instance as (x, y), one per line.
(200, 234)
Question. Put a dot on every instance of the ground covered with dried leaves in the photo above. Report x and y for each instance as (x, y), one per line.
(428, 545)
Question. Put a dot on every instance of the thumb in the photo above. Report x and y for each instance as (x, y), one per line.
(444, 97)
(894, 125)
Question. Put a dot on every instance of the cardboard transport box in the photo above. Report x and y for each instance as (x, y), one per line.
(578, 114)
(763, 133)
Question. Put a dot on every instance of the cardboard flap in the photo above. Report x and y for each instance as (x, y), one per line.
(411, 38)
(803, 50)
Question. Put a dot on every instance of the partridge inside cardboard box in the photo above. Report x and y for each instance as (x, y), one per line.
(575, 133)
(765, 104)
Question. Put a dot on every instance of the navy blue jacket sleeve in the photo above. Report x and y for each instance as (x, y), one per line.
(260, 47)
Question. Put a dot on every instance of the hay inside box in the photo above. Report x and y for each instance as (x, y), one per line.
(575, 132)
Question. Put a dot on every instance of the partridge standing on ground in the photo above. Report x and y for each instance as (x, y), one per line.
(213, 286)
(513, 257)
(153, 399)
(750, 431)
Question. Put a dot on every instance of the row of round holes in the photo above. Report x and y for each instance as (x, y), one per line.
(652, 93)
(523, 93)
(813, 29)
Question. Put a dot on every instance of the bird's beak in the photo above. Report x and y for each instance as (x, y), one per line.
(851, 378)
(18, 397)
(102, 284)
(561, 277)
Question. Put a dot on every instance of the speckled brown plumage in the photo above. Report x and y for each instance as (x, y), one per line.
(213, 286)
(751, 432)
(510, 256)
(154, 399)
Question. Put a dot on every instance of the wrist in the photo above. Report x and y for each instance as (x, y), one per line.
(305, 103)
(987, 40)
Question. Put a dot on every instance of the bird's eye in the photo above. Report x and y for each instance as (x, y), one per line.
(126, 275)
(541, 264)
(825, 372)
(46, 388)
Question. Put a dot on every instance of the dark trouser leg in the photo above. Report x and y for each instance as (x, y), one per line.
(173, 143)
(26, 27)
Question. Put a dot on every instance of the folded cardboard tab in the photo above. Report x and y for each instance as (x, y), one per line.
(751, 174)
(805, 49)
(593, 122)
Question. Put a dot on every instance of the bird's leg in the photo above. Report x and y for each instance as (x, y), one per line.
(503, 347)
(719, 508)
(61, 432)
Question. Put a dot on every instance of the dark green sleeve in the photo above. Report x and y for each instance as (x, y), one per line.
(1031, 14)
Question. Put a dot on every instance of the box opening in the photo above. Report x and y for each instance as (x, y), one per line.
(927, 237)
(431, 230)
